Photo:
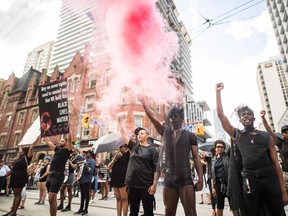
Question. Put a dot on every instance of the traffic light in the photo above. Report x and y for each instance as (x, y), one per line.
(85, 121)
(200, 130)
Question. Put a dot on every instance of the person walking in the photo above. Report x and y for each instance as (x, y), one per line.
(178, 144)
(141, 175)
(19, 176)
(117, 169)
(261, 172)
(56, 173)
(219, 180)
(43, 174)
(85, 181)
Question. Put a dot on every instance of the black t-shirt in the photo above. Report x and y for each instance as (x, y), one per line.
(219, 168)
(59, 159)
(283, 150)
(141, 166)
(119, 170)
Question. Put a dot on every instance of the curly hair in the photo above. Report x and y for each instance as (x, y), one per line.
(221, 142)
(242, 108)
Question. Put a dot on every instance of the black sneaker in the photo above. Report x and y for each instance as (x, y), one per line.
(85, 212)
(37, 203)
(41, 203)
(60, 207)
(66, 209)
(79, 212)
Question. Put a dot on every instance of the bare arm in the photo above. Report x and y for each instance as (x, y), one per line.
(30, 151)
(267, 126)
(152, 189)
(220, 113)
(198, 167)
(151, 116)
(123, 132)
(49, 143)
(277, 169)
(69, 142)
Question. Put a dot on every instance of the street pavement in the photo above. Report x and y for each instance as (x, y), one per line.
(98, 207)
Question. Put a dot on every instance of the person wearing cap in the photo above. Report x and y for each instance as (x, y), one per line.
(141, 176)
(178, 144)
(282, 145)
(57, 168)
(43, 174)
(255, 162)
(85, 181)
(117, 169)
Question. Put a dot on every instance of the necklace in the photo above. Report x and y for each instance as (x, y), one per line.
(251, 139)
(175, 132)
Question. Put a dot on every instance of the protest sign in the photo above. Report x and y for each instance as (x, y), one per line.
(53, 108)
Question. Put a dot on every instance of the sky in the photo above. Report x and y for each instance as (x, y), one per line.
(227, 52)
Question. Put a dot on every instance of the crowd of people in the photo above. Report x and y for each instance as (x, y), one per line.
(252, 174)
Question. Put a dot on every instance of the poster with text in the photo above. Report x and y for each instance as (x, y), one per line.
(53, 108)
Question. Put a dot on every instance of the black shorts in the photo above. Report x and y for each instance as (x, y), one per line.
(54, 182)
(173, 181)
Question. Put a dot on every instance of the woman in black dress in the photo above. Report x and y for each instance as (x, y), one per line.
(19, 176)
(117, 168)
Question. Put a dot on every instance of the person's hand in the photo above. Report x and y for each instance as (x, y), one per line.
(219, 86)
(214, 193)
(152, 189)
(199, 185)
(262, 113)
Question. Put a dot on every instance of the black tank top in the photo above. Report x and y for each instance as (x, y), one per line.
(255, 155)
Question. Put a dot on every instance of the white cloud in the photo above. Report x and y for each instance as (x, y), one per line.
(241, 30)
(5, 5)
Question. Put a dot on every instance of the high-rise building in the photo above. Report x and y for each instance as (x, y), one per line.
(278, 13)
(273, 90)
(75, 31)
(182, 63)
(39, 58)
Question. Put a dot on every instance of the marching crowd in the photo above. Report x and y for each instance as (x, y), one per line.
(248, 174)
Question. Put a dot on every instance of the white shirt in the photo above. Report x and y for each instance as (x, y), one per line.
(4, 170)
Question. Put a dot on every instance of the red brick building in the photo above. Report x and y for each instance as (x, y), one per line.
(19, 108)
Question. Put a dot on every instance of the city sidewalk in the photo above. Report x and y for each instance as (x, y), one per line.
(98, 207)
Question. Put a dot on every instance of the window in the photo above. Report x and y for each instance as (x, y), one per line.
(34, 115)
(7, 121)
(17, 139)
(21, 118)
(2, 141)
(138, 121)
(86, 132)
(89, 103)
(92, 83)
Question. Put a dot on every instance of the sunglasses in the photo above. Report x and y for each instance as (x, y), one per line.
(285, 131)
(220, 147)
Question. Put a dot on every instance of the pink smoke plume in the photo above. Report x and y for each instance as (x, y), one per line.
(141, 51)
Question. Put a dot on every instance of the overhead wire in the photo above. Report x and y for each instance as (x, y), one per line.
(213, 22)
(20, 21)
(14, 16)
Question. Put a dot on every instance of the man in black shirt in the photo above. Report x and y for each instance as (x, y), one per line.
(57, 168)
(261, 172)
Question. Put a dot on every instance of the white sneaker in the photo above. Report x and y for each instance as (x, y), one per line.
(91, 201)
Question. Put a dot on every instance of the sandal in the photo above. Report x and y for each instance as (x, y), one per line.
(21, 207)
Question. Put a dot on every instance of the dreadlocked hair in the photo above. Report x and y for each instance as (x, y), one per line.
(242, 108)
